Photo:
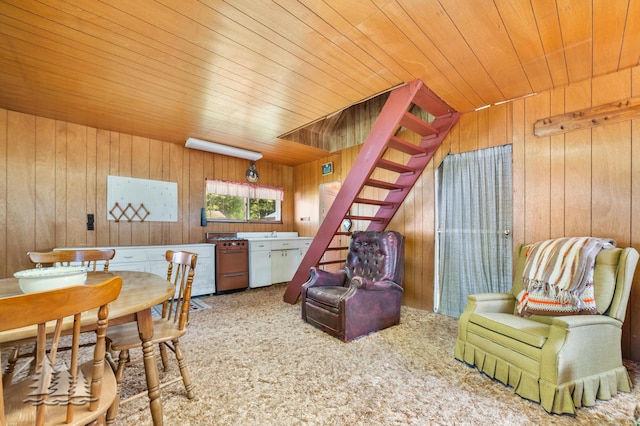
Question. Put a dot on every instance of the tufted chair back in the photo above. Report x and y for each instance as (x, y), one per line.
(375, 255)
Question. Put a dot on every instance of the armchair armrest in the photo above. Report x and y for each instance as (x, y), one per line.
(365, 284)
(484, 302)
(318, 277)
(574, 321)
(580, 346)
(491, 302)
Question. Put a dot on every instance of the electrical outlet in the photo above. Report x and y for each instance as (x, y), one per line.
(90, 222)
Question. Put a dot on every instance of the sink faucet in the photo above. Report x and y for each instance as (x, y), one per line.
(273, 234)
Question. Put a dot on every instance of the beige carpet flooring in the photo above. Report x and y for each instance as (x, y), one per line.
(254, 362)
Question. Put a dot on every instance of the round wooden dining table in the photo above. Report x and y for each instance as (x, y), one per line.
(140, 292)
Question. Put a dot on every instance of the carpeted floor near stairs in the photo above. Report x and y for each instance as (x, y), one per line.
(254, 362)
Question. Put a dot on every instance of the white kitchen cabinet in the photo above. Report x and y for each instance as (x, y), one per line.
(302, 246)
(204, 283)
(284, 260)
(204, 277)
(152, 259)
(259, 264)
(302, 251)
(127, 259)
(274, 259)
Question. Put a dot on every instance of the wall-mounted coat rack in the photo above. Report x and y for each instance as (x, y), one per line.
(129, 212)
(590, 117)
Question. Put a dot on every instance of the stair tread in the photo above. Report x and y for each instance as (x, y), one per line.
(417, 125)
(372, 218)
(329, 262)
(394, 167)
(430, 102)
(342, 233)
(382, 184)
(404, 146)
(381, 203)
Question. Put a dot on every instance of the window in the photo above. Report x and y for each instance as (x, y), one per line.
(241, 202)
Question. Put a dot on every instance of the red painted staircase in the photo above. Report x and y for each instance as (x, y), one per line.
(394, 115)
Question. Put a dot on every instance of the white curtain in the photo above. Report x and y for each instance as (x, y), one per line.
(474, 249)
(245, 190)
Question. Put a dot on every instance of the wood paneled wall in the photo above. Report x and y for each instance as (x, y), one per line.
(579, 183)
(55, 173)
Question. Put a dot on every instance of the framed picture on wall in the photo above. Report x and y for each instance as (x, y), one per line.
(327, 168)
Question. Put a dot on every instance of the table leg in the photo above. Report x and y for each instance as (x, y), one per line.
(145, 330)
(1, 400)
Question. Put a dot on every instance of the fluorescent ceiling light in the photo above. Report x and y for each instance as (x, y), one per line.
(217, 148)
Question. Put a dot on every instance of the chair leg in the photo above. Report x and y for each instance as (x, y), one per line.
(32, 364)
(123, 360)
(186, 379)
(110, 354)
(163, 356)
(7, 376)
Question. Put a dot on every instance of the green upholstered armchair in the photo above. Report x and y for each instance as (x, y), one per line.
(562, 362)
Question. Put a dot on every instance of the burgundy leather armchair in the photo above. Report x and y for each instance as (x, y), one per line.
(366, 295)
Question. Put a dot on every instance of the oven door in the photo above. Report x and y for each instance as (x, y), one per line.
(232, 269)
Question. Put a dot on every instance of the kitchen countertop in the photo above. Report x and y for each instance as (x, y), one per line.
(268, 236)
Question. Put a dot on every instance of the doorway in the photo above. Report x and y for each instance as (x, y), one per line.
(328, 193)
(473, 227)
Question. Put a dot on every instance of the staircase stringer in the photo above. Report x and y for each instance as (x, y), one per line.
(386, 126)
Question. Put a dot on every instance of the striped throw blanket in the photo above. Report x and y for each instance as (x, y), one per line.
(558, 276)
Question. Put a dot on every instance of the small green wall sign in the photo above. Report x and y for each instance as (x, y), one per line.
(327, 168)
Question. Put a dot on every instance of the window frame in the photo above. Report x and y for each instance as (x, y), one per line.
(247, 192)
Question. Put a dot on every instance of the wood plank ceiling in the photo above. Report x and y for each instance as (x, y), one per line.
(244, 72)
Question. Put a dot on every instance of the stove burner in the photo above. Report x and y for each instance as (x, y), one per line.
(226, 239)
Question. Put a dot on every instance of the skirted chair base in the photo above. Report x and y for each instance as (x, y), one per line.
(559, 399)
(560, 361)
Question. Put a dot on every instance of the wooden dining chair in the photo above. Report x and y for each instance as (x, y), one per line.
(60, 390)
(90, 257)
(167, 329)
